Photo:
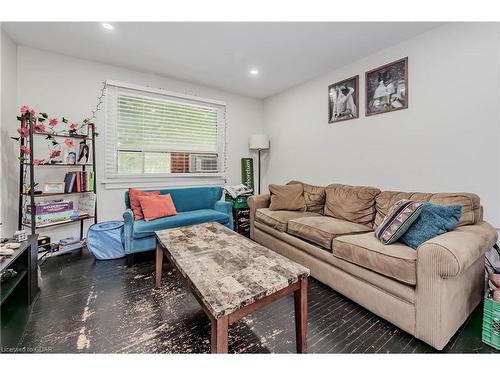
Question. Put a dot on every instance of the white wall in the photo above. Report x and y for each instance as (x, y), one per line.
(66, 86)
(9, 170)
(447, 140)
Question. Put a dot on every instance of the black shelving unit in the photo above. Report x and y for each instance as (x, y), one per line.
(18, 293)
(30, 170)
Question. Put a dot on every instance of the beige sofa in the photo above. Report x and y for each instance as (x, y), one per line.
(429, 293)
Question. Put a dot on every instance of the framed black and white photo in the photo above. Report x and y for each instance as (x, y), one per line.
(387, 88)
(343, 100)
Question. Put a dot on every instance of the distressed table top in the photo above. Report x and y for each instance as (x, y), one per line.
(227, 271)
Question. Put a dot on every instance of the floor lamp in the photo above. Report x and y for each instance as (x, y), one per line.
(258, 142)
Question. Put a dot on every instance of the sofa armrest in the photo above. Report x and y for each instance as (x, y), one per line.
(450, 281)
(453, 252)
(128, 217)
(226, 208)
(254, 203)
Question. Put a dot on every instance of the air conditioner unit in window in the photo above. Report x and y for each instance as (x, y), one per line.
(202, 163)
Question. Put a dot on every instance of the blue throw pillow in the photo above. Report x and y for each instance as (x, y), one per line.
(435, 219)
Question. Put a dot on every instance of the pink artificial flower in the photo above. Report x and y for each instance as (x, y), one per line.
(54, 154)
(53, 122)
(73, 126)
(23, 131)
(69, 143)
(24, 109)
(40, 128)
(39, 161)
(25, 150)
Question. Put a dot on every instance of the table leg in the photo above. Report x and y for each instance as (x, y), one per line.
(220, 334)
(159, 264)
(301, 316)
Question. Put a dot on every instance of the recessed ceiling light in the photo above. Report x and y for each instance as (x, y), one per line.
(107, 26)
(254, 72)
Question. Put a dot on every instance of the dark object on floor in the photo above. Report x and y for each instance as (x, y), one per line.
(44, 242)
(242, 221)
(7, 274)
(106, 307)
(241, 213)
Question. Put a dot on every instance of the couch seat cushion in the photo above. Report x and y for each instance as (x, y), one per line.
(321, 230)
(147, 228)
(397, 261)
(279, 219)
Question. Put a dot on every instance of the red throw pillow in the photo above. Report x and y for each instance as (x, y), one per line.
(135, 205)
(156, 206)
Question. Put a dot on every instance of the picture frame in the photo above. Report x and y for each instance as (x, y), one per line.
(343, 100)
(53, 187)
(386, 88)
(83, 153)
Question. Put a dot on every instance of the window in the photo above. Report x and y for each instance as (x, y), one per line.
(155, 133)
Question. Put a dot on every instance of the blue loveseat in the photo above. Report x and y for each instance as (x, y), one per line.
(194, 206)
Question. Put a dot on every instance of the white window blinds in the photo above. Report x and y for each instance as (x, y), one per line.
(152, 132)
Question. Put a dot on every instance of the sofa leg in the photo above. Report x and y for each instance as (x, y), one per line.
(130, 260)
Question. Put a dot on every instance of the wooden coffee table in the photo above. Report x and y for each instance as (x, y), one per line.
(232, 276)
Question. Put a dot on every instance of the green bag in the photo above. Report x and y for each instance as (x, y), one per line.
(247, 172)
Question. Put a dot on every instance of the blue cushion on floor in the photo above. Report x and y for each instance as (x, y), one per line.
(435, 219)
(147, 228)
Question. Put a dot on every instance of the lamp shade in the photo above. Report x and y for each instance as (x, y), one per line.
(258, 142)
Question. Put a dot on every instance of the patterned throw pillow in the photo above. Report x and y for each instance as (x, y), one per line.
(400, 217)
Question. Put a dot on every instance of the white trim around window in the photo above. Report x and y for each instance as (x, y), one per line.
(155, 137)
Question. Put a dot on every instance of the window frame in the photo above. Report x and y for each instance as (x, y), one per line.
(117, 180)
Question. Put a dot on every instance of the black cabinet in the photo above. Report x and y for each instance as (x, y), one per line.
(18, 292)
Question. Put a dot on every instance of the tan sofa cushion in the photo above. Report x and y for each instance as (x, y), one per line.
(287, 197)
(279, 219)
(352, 203)
(313, 195)
(397, 261)
(471, 211)
(384, 283)
(321, 230)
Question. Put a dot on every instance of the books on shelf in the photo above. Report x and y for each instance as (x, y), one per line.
(69, 181)
(79, 181)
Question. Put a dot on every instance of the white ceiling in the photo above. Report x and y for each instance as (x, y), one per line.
(219, 54)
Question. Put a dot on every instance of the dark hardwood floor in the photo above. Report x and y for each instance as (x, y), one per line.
(107, 307)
